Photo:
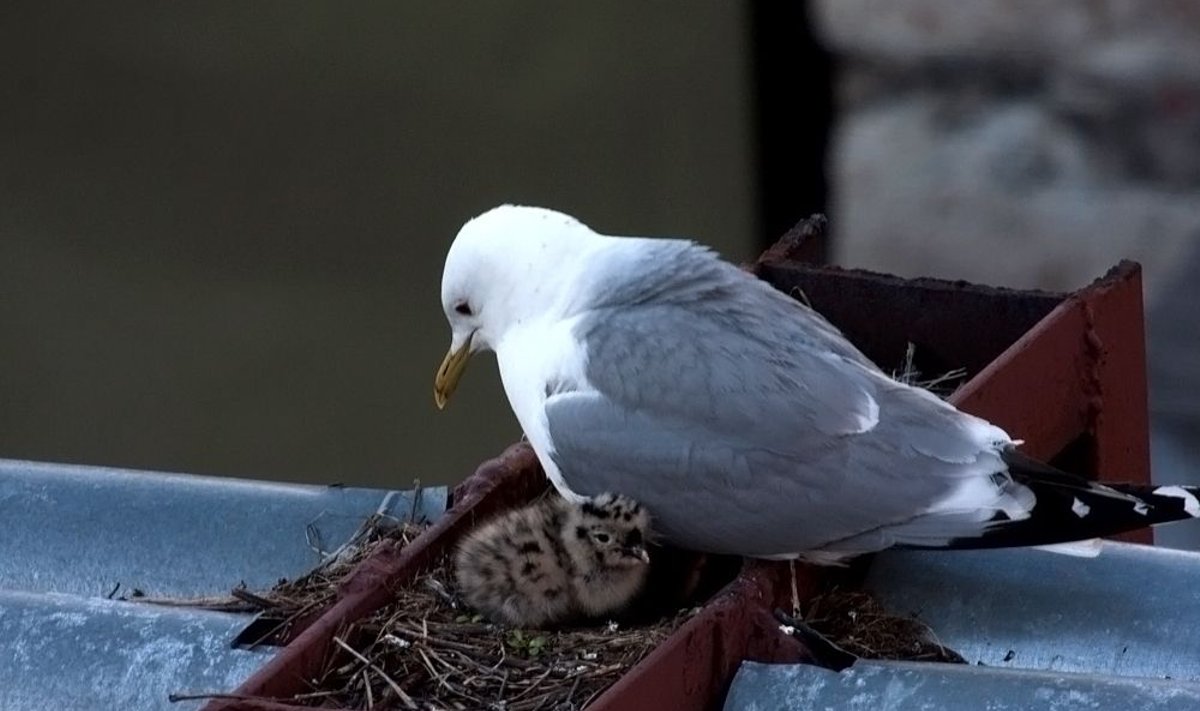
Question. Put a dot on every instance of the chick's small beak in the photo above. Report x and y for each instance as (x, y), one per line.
(449, 373)
(638, 552)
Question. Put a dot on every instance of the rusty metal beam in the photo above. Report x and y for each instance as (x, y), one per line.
(952, 324)
(692, 668)
(1053, 370)
(509, 480)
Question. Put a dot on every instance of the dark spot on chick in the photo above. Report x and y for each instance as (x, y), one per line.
(592, 510)
(530, 547)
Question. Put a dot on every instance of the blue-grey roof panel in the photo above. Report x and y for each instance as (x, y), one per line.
(1132, 611)
(909, 686)
(69, 652)
(1040, 631)
(83, 530)
(70, 534)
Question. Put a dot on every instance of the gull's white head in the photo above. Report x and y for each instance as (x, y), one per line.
(507, 265)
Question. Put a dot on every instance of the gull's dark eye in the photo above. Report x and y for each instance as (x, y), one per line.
(464, 308)
(601, 537)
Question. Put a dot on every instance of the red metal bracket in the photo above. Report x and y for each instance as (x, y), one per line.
(1054, 370)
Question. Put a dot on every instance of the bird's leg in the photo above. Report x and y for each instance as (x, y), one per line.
(795, 590)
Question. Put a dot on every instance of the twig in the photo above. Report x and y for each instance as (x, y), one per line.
(418, 492)
(176, 698)
(798, 293)
(459, 646)
(289, 620)
(311, 534)
(433, 672)
(534, 685)
(404, 697)
(216, 604)
(908, 372)
(909, 375)
(574, 688)
(246, 596)
(956, 374)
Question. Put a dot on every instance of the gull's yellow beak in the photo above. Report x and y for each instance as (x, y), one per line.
(448, 374)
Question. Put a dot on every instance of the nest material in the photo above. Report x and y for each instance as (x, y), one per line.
(856, 622)
(425, 651)
(292, 601)
(942, 385)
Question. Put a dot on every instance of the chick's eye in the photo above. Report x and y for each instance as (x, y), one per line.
(601, 537)
(464, 308)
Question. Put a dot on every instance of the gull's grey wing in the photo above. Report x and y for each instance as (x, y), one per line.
(747, 425)
(717, 331)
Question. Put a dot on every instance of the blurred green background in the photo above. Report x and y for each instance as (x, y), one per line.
(222, 225)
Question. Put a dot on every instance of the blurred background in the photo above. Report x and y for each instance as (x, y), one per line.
(222, 225)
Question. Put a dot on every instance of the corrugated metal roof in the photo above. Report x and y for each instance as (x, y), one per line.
(911, 686)
(1038, 630)
(72, 534)
(1132, 611)
(71, 652)
(83, 530)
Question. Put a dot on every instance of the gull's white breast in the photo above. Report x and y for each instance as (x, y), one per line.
(538, 360)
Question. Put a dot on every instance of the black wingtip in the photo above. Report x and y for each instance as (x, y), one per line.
(1071, 508)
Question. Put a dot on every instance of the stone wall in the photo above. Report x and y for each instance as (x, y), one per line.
(1021, 143)
(1029, 144)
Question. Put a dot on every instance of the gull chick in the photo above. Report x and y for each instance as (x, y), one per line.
(554, 561)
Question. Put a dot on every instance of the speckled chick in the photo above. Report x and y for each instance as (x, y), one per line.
(552, 561)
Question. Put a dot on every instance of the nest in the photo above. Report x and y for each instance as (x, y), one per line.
(426, 651)
(856, 622)
(292, 601)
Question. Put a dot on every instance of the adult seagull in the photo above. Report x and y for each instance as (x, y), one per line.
(743, 420)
